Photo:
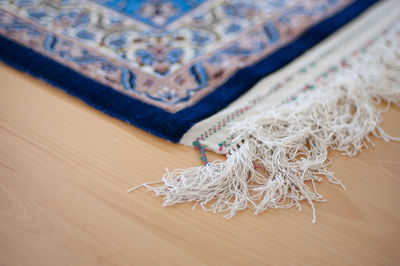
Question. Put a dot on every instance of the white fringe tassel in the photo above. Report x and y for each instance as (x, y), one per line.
(290, 142)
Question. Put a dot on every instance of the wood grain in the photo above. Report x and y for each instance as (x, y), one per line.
(64, 169)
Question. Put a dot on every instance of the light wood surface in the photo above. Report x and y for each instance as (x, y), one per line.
(64, 169)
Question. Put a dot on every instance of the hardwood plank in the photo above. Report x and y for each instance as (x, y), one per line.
(64, 169)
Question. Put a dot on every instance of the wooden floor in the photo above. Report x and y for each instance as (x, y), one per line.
(65, 167)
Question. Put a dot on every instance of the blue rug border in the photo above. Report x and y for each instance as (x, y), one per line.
(153, 119)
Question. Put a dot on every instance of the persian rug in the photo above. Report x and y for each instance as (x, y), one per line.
(271, 84)
(163, 65)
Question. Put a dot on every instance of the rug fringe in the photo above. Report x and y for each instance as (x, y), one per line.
(277, 156)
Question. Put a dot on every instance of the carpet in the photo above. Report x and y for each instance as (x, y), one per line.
(163, 65)
(272, 85)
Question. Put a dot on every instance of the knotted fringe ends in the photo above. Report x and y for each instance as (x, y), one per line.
(277, 155)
